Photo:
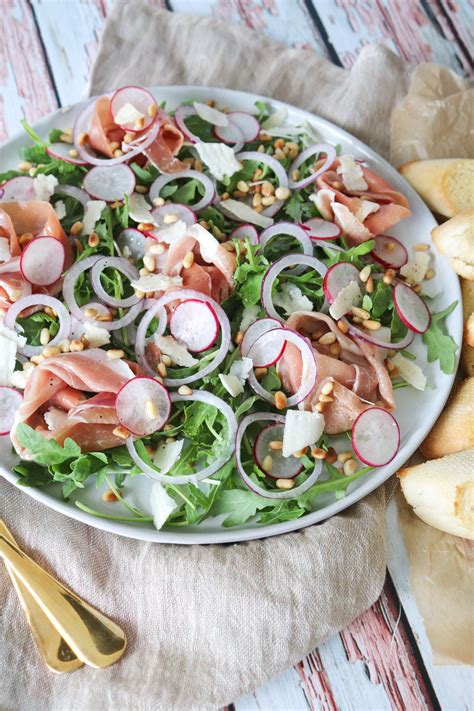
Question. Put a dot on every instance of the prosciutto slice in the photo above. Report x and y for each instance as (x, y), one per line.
(61, 383)
(162, 152)
(103, 131)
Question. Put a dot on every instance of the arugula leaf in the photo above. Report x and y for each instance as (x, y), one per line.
(55, 135)
(32, 474)
(34, 324)
(248, 276)
(240, 504)
(46, 451)
(262, 111)
(441, 346)
(298, 209)
(200, 128)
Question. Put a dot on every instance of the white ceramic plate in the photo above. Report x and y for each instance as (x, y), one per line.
(416, 411)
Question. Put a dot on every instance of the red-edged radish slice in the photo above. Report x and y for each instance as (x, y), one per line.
(389, 252)
(19, 189)
(132, 243)
(166, 215)
(375, 437)
(337, 277)
(247, 123)
(141, 100)
(42, 261)
(281, 467)
(255, 330)
(195, 324)
(321, 229)
(61, 151)
(411, 308)
(231, 134)
(244, 232)
(10, 401)
(110, 183)
(268, 351)
(143, 405)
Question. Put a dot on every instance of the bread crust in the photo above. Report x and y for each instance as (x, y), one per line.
(455, 239)
(446, 185)
(454, 429)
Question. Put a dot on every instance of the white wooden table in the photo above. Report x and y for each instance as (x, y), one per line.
(383, 659)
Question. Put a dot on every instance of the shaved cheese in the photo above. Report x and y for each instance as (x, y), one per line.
(55, 418)
(20, 378)
(249, 316)
(278, 118)
(244, 213)
(60, 209)
(415, 271)
(9, 342)
(156, 282)
(167, 454)
(238, 374)
(302, 429)
(128, 114)
(171, 234)
(92, 215)
(208, 244)
(410, 371)
(219, 158)
(178, 353)
(232, 384)
(349, 223)
(214, 116)
(352, 175)
(5, 253)
(349, 296)
(44, 186)
(96, 336)
(290, 298)
(139, 209)
(367, 208)
(162, 505)
(323, 200)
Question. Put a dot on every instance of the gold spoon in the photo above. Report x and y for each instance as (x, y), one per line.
(93, 638)
(56, 653)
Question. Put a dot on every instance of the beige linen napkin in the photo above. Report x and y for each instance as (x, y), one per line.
(207, 624)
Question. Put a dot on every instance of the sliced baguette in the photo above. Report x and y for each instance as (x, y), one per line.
(446, 185)
(455, 239)
(441, 492)
(467, 351)
(454, 429)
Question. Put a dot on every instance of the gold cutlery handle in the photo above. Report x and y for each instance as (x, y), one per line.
(94, 638)
(56, 653)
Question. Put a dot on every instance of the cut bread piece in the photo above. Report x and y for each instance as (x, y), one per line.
(454, 429)
(441, 492)
(446, 185)
(455, 239)
(467, 351)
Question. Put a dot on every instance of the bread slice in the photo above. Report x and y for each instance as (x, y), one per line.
(441, 492)
(454, 429)
(467, 351)
(455, 238)
(446, 185)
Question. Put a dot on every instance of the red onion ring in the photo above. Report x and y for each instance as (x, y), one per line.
(276, 167)
(245, 231)
(65, 324)
(124, 267)
(330, 152)
(157, 309)
(76, 193)
(167, 178)
(288, 228)
(309, 367)
(369, 338)
(182, 113)
(209, 399)
(276, 268)
(283, 493)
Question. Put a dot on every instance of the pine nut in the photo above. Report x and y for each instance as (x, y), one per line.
(371, 325)
(391, 246)
(50, 351)
(344, 456)
(65, 138)
(32, 172)
(365, 273)
(360, 313)
(229, 246)
(170, 440)
(147, 226)
(256, 200)
(114, 146)
(109, 497)
(267, 189)
(24, 166)
(83, 138)
(157, 248)
(276, 445)
(350, 467)
(76, 345)
(37, 359)
(121, 432)
(152, 109)
(170, 218)
(279, 143)
(417, 288)
(281, 401)
(115, 353)
(65, 345)
(93, 239)
(279, 155)
(25, 238)
(198, 165)
(267, 463)
(90, 312)
(142, 189)
(139, 294)
(188, 260)
(369, 285)
(158, 201)
(335, 350)
(325, 398)
(45, 336)
(143, 272)
(331, 455)
(151, 410)
(243, 186)
(300, 452)
(77, 228)
(28, 365)
(166, 360)
(389, 276)
(238, 338)
(319, 407)
(318, 453)
(161, 368)
(430, 274)
(282, 193)
(421, 247)
(285, 483)
(260, 373)
(327, 339)
(262, 136)
(328, 387)
(185, 390)
(266, 201)
(149, 263)
(105, 317)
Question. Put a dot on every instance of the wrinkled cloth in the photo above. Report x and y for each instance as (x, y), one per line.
(207, 624)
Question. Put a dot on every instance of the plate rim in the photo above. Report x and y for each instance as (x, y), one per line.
(181, 537)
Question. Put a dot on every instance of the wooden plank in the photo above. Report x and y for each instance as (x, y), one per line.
(456, 22)
(284, 693)
(25, 85)
(405, 27)
(453, 685)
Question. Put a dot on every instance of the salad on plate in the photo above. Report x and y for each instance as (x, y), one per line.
(208, 298)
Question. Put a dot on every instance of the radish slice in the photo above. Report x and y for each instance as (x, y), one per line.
(164, 179)
(76, 193)
(389, 252)
(10, 401)
(42, 261)
(244, 232)
(246, 123)
(281, 467)
(411, 308)
(337, 277)
(61, 151)
(138, 98)
(265, 352)
(309, 152)
(195, 324)
(19, 189)
(110, 183)
(143, 405)
(231, 134)
(318, 228)
(181, 212)
(255, 330)
(124, 267)
(375, 437)
(275, 270)
(134, 241)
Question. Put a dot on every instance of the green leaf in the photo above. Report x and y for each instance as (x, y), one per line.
(32, 474)
(55, 135)
(441, 346)
(34, 324)
(382, 300)
(262, 111)
(240, 505)
(45, 451)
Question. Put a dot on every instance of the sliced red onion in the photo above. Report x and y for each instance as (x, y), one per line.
(309, 368)
(87, 154)
(181, 114)
(255, 330)
(140, 99)
(19, 189)
(73, 192)
(42, 260)
(277, 169)
(10, 401)
(370, 337)
(164, 179)
(288, 228)
(282, 467)
(316, 148)
(281, 493)
(157, 309)
(208, 399)
(244, 232)
(142, 405)
(181, 212)
(39, 300)
(124, 267)
(133, 240)
(375, 437)
(318, 228)
(110, 183)
(61, 151)
(275, 270)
